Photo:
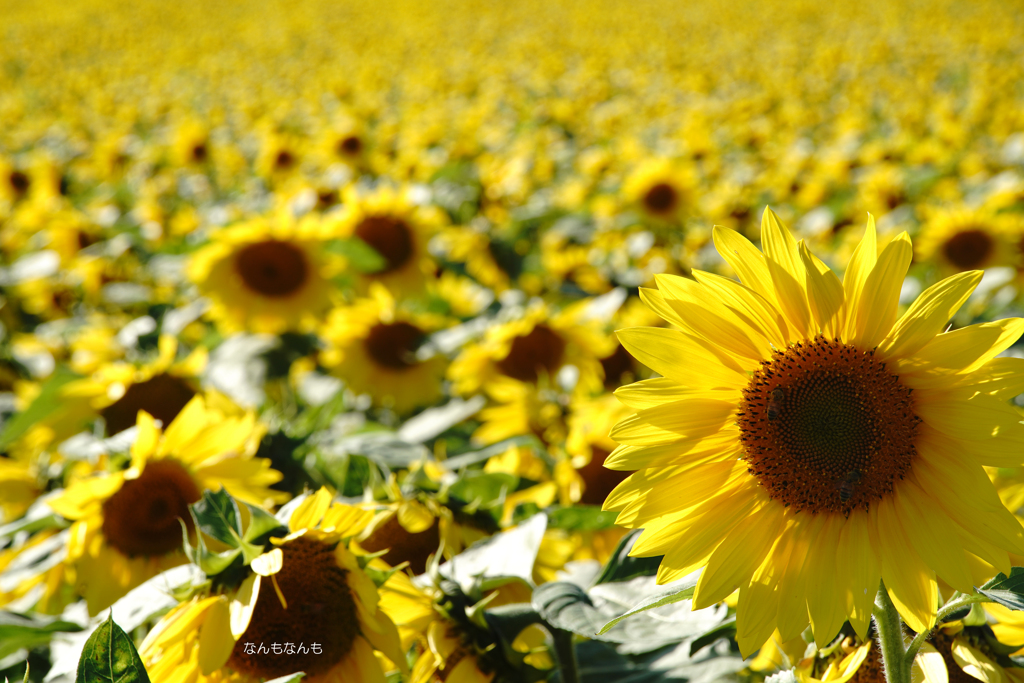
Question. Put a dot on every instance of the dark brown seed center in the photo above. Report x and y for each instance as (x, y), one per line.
(162, 396)
(826, 427)
(968, 249)
(539, 351)
(142, 517)
(388, 236)
(394, 345)
(661, 199)
(272, 268)
(320, 610)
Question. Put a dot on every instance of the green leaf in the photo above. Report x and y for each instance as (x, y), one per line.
(1008, 591)
(568, 607)
(261, 523)
(581, 518)
(622, 567)
(47, 402)
(682, 592)
(109, 656)
(21, 631)
(483, 488)
(726, 629)
(52, 521)
(359, 254)
(217, 516)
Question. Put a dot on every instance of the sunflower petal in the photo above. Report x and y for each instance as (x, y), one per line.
(928, 315)
(787, 271)
(876, 308)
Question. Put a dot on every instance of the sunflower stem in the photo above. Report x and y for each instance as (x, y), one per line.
(889, 627)
(951, 607)
(565, 653)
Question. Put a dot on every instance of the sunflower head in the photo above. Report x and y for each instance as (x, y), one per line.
(960, 239)
(267, 275)
(309, 591)
(801, 429)
(128, 523)
(659, 189)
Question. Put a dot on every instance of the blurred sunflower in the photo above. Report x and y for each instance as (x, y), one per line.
(390, 223)
(308, 589)
(660, 189)
(126, 525)
(806, 433)
(373, 346)
(266, 275)
(959, 239)
(534, 346)
(191, 145)
(117, 391)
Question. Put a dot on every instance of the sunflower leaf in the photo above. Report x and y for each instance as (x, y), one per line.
(25, 632)
(261, 523)
(1008, 591)
(47, 402)
(622, 567)
(726, 629)
(217, 515)
(684, 591)
(359, 254)
(109, 656)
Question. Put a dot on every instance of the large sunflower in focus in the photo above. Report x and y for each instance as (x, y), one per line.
(266, 275)
(126, 525)
(309, 606)
(802, 443)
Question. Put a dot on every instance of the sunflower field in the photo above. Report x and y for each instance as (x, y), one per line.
(576, 341)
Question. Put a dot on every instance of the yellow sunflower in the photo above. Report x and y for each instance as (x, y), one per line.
(397, 229)
(534, 346)
(308, 606)
(191, 146)
(265, 275)
(959, 239)
(125, 524)
(660, 188)
(802, 443)
(375, 347)
(117, 391)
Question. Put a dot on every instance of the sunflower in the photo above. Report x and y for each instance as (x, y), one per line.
(397, 229)
(265, 275)
(589, 446)
(125, 524)
(660, 189)
(346, 142)
(19, 487)
(410, 529)
(117, 391)
(959, 239)
(280, 157)
(535, 346)
(309, 606)
(799, 431)
(191, 146)
(375, 347)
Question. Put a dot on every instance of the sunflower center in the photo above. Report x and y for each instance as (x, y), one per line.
(826, 427)
(272, 268)
(403, 545)
(394, 345)
(944, 644)
(199, 152)
(284, 160)
(390, 237)
(19, 182)
(539, 351)
(142, 517)
(321, 609)
(162, 396)
(662, 198)
(968, 249)
(871, 669)
(350, 145)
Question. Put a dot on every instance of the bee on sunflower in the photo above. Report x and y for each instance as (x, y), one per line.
(266, 275)
(802, 443)
(125, 524)
(309, 591)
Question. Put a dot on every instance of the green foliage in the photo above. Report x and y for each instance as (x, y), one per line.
(672, 596)
(19, 631)
(1008, 591)
(622, 567)
(358, 253)
(44, 405)
(110, 656)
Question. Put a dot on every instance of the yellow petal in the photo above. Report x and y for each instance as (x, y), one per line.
(933, 535)
(215, 640)
(963, 350)
(879, 300)
(930, 666)
(857, 570)
(243, 603)
(269, 563)
(310, 511)
(825, 605)
(744, 258)
(691, 418)
(908, 580)
(751, 308)
(682, 358)
(928, 315)
(787, 271)
(975, 663)
(145, 441)
(861, 264)
(824, 293)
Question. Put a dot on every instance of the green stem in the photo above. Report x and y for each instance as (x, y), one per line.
(889, 627)
(565, 653)
(951, 607)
